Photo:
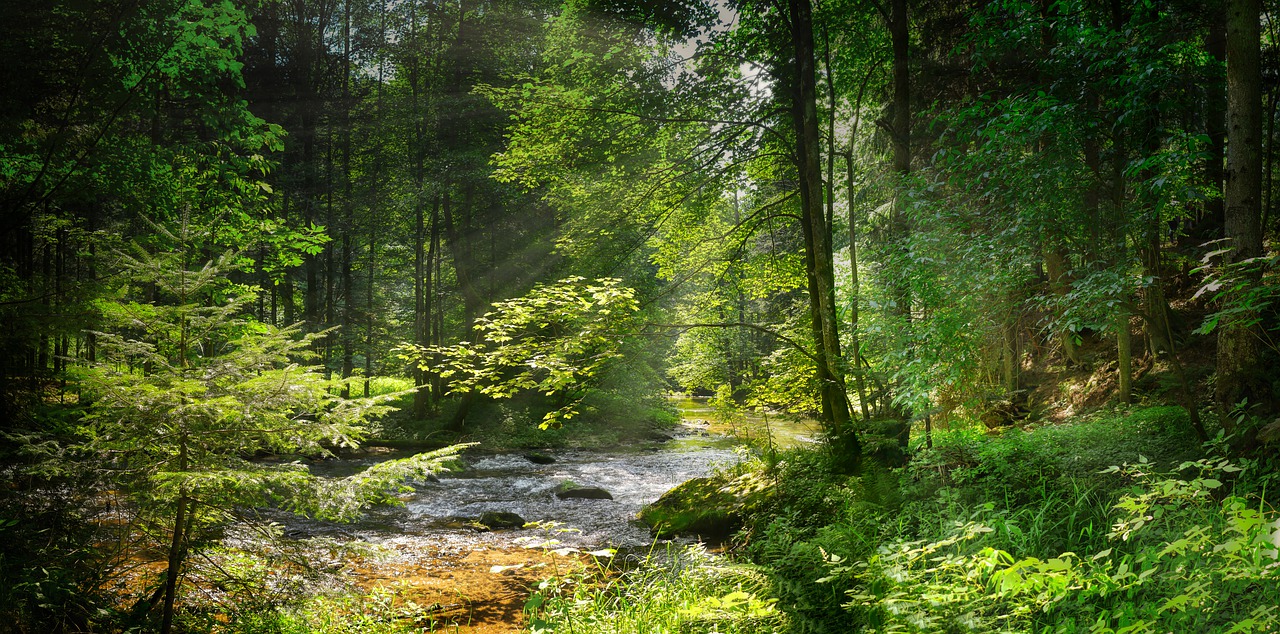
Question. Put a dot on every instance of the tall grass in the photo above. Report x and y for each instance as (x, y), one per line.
(676, 589)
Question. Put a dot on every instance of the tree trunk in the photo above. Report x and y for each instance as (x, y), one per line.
(1238, 350)
(818, 255)
(1124, 354)
(177, 548)
(422, 397)
(349, 224)
(855, 345)
(1010, 353)
(459, 231)
(899, 32)
(430, 280)
(1055, 264)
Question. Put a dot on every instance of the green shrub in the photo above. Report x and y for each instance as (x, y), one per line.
(1179, 560)
(678, 590)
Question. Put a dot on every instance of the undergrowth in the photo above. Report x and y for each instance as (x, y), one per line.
(1116, 522)
(680, 589)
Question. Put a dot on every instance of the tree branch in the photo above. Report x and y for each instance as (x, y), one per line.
(741, 324)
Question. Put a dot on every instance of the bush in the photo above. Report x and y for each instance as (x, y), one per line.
(926, 547)
(679, 590)
(1179, 561)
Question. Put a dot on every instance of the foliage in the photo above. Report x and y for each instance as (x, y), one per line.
(552, 341)
(187, 390)
(681, 589)
(1244, 291)
(50, 569)
(1180, 561)
(977, 534)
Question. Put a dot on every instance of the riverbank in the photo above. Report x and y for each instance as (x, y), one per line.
(1117, 521)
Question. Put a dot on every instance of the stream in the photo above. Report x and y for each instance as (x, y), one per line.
(512, 483)
(444, 573)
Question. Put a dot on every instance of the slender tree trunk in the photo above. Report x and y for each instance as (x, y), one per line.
(349, 223)
(461, 230)
(1055, 264)
(1238, 351)
(855, 292)
(900, 36)
(458, 229)
(330, 268)
(437, 294)
(818, 255)
(177, 546)
(1124, 354)
(374, 202)
(1010, 352)
(431, 279)
(1268, 177)
(855, 287)
(422, 395)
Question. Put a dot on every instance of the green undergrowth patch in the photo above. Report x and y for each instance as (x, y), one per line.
(1115, 522)
(378, 611)
(677, 590)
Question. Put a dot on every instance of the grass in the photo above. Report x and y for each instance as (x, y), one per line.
(677, 589)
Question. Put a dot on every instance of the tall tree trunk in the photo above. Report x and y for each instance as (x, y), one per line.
(438, 384)
(1011, 352)
(855, 288)
(818, 255)
(348, 205)
(430, 280)
(855, 345)
(1268, 176)
(460, 233)
(900, 36)
(1055, 265)
(422, 395)
(1238, 350)
(177, 545)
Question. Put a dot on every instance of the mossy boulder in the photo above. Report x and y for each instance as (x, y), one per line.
(496, 520)
(539, 458)
(712, 507)
(569, 490)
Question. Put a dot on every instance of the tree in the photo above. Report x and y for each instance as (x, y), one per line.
(554, 341)
(1239, 351)
(817, 232)
(187, 389)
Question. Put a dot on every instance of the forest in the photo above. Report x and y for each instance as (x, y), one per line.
(645, 316)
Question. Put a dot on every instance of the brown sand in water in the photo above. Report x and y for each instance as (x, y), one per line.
(460, 591)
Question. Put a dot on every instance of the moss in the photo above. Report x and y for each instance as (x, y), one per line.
(712, 507)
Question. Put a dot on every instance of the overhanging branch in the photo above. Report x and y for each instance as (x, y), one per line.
(740, 324)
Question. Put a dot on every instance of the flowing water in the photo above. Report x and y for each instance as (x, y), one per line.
(512, 483)
(446, 573)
